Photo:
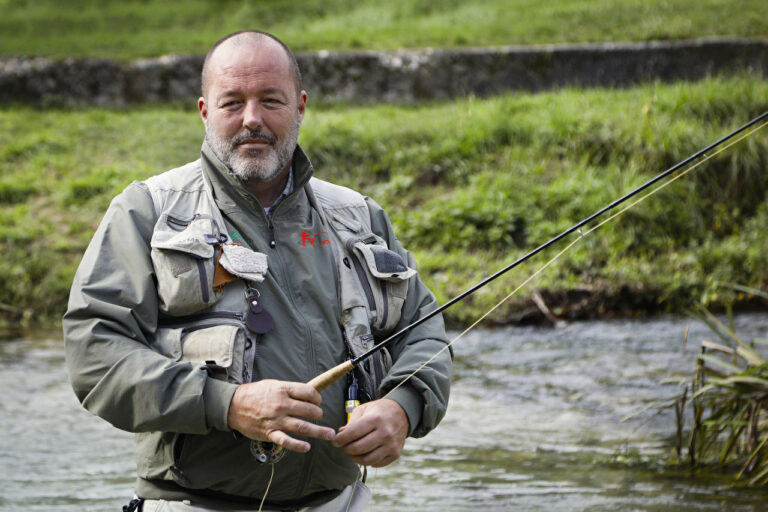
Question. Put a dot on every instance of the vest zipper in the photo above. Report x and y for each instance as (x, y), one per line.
(203, 280)
(249, 358)
(177, 222)
(366, 285)
(384, 305)
(198, 327)
(272, 242)
(170, 322)
(337, 276)
(361, 276)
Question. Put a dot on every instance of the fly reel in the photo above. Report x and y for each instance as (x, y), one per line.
(266, 452)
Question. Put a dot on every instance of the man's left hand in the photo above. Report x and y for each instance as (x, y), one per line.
(375, 434)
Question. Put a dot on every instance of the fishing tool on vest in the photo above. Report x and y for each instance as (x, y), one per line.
(352, 402)
(251, 266)
(257, 318)
(327, 378)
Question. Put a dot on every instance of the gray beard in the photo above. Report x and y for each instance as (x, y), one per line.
(257, 165)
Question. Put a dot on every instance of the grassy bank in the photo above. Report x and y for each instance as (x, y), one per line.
(128, 30)
(470, 185)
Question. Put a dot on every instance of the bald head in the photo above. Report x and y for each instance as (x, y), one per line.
(247, 40)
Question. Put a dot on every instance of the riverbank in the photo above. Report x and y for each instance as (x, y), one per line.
(403, 76)
(470, 185)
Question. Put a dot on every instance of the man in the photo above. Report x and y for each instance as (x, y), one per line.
(211, 293)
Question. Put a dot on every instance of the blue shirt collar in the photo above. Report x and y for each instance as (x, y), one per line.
(286, 192)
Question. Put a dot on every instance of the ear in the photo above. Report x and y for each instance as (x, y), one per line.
(203, 108)
(302, 105)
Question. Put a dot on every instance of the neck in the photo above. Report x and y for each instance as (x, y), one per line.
(267, 192)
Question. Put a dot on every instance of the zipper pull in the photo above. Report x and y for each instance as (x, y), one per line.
(272, 243)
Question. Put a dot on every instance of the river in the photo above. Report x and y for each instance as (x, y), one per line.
(534, 424)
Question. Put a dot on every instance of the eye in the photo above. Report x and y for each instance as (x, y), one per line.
(231, 104)
(272, 102)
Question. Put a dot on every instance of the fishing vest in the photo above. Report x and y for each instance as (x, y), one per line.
(207, 325)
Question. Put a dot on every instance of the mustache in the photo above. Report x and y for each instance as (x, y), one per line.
(254, 135)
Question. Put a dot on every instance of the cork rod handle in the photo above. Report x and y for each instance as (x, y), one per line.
(327, 378)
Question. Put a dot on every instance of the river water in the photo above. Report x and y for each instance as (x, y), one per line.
(534, 424)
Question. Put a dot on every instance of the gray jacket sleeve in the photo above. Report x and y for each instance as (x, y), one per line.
(424, 397)
(112, 311)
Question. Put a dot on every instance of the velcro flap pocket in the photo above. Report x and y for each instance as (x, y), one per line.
(243, 262)
(346, 223)
(221, 348)
(384, 280)
(183, 256)
(384, 263)
(196, 238)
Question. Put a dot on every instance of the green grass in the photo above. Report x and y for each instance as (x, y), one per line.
(127, 30)
(470, 186)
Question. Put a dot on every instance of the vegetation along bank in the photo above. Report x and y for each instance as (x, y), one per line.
(470, 185)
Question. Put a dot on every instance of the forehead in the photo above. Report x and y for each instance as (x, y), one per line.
(250, 67)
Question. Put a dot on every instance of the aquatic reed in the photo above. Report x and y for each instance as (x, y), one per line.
(726, 405)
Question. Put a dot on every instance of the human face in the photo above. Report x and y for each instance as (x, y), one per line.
(251, 111)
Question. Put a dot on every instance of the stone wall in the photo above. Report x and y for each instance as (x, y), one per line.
(402, 76)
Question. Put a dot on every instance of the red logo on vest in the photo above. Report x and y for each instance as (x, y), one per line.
(311, 239)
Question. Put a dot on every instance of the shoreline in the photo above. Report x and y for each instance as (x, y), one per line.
(551, 308)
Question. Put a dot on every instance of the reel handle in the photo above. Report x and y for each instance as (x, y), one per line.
(328, 377)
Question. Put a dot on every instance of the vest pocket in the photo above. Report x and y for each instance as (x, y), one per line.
(226, 350)
(384, 278)
(183, 254)
(221, 348)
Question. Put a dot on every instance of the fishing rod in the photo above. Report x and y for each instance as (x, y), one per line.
(327, 378)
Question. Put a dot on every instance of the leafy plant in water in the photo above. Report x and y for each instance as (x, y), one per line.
(727, 400)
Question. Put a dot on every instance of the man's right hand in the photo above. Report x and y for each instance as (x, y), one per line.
(266, 410)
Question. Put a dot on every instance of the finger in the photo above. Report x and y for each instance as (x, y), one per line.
(353, 431)
(303, 392)
(301, 409)
(289, 443)
(363, 445)
(377, 458)
(307, 429)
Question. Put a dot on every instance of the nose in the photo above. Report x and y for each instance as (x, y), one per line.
(252, 116)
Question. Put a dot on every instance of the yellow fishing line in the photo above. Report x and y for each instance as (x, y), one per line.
(269, 484)
(574, 242)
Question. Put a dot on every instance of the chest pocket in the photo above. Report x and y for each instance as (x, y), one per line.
(383, 276)
(183, 254)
